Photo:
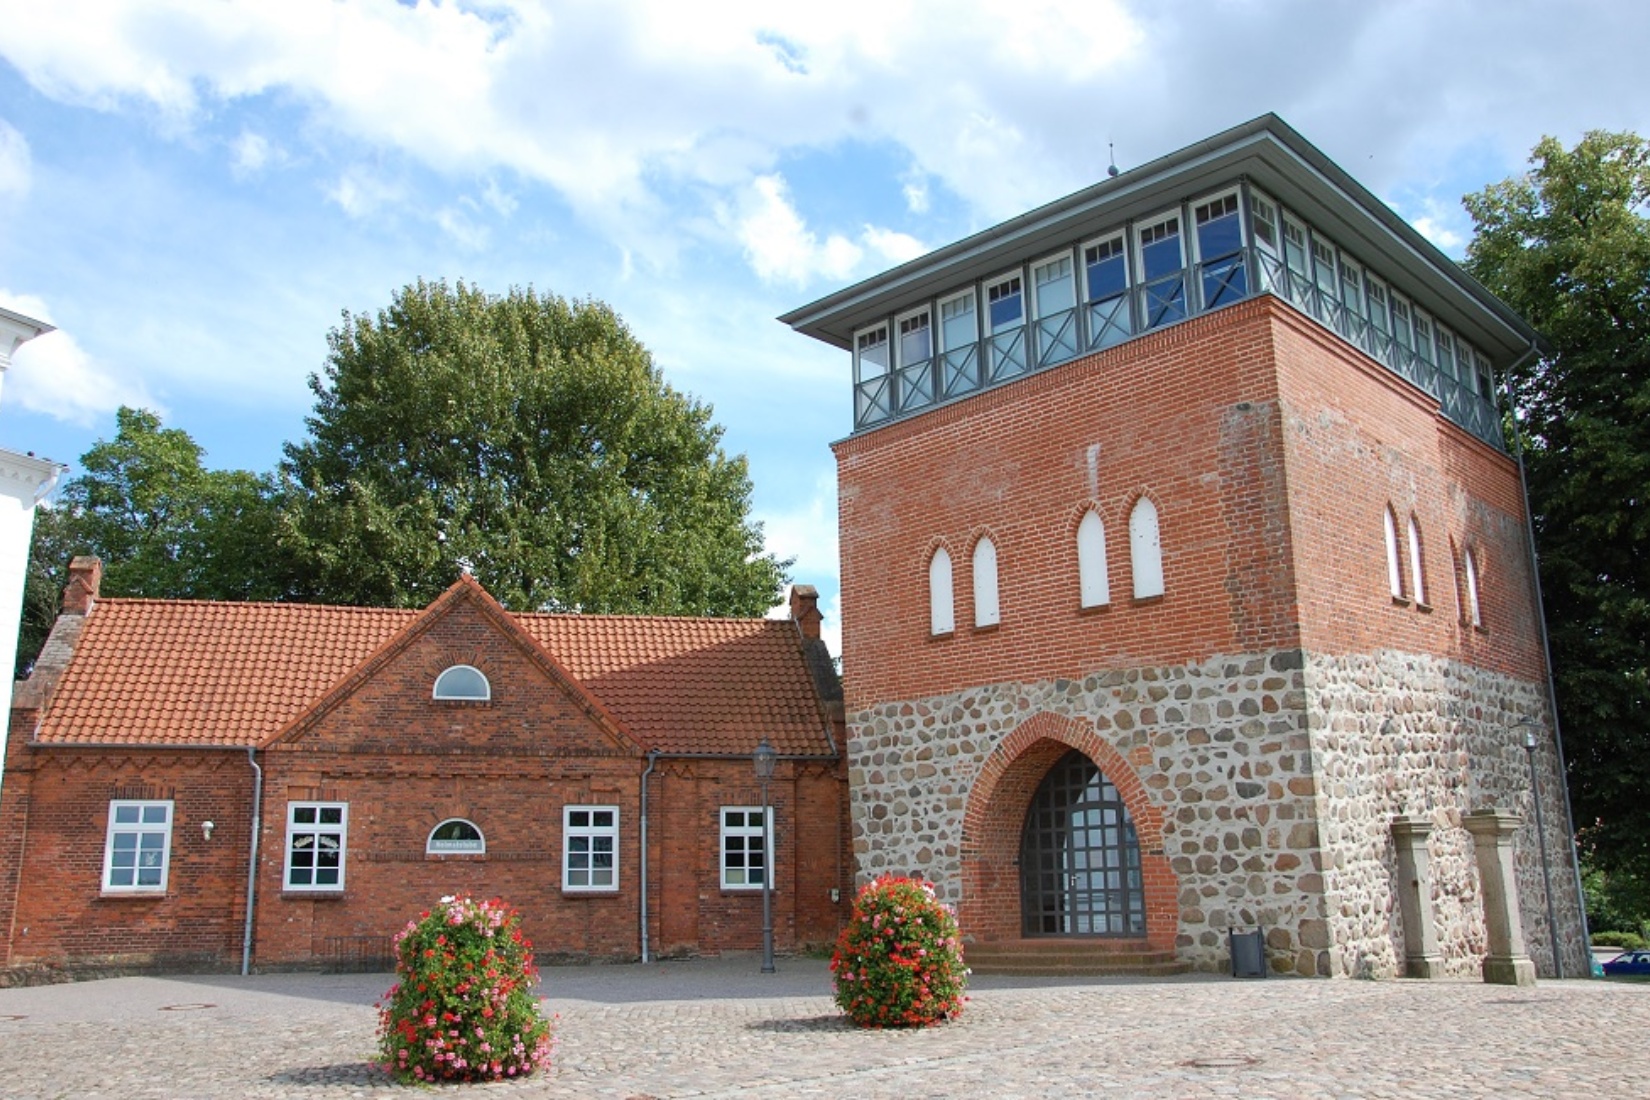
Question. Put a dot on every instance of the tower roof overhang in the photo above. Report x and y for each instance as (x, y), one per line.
(1265, 151)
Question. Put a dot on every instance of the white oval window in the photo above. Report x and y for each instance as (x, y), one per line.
(455, 835)
(462, 682)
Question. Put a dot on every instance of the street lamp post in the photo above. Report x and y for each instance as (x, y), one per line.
(1541, 842)
(764, 759)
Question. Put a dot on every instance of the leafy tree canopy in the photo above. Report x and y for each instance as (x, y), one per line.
(1567, 244)
(164, 525)
(530, 440)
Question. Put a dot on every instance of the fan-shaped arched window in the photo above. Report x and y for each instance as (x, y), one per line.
(941, 615)
(985, 584)
(1145, 550)
(1092, 581)
(462, 682)
(455, 836)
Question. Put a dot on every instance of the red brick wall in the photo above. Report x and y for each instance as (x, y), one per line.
(1187, 416)
(55, 817)
(1360, 439)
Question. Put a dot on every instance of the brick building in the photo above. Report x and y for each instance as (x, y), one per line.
(348, 766)
(1186, 581)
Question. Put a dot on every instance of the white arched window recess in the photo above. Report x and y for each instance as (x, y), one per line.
(985, 584)
(455, 836)
(941, 614)
(1094, 584)
(463, 683)
(1469, 570)
(1418, 587)
(1145, 550)
(1394, 566)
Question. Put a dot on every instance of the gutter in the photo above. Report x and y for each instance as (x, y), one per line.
(1546, 648)
(252, 858)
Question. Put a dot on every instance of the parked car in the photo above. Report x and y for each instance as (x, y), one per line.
(1629, 962)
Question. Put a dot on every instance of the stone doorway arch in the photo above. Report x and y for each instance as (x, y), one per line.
(993, 820)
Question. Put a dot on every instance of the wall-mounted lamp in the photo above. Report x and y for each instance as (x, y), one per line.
(836, 895)
(206, 830)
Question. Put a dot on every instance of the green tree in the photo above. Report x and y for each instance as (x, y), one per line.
(165, 526)
(530, 440)
(1567, 245)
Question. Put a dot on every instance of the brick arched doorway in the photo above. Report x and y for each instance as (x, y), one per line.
(994, 820)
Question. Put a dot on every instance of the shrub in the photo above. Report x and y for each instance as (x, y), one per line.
(462, 1008)
(899, 962)
(1627, 941)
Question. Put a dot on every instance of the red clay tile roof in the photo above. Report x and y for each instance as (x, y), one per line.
(188, 672)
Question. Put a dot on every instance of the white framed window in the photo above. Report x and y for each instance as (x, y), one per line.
(1423, 338)
(1417, 576)
(1106, 290)
(1472, 611)
(745, 862)
(590, 848)
(1352, 286)
(1296, 254)
(1093, 583)
(462, 683)
(1162, 260)
(1005, 303)
(1219, 245)
(986, 612)
(1401, 330)
(1482, 374)
(959, 326)
(1145, 550)
(871, 353)
(455, 836)
(1263, 216)
(916, 338)
(1054, 290)
(138, 849)
(1377, 303)
(1394, 563)
(316, 835)
(1444, 341)
(942, 618)
(1323, 267)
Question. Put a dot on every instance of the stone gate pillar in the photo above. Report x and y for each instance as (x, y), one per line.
(1421, 956)
(1506, 963)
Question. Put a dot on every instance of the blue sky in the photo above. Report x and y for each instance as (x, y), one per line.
(193, 192)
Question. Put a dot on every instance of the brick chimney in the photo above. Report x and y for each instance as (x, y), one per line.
(805, 609)
(85, 574)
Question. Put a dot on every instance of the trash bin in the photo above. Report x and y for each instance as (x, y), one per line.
(1248, 953)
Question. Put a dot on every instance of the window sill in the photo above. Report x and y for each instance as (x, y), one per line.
(1146, 601)
(594, 892)
(947, 636)
(132, 895)
(1400, 601)
(1425, 608)
(463, 857)
(1094, 608)
(988, 628)
(745, 891)
(312, 895)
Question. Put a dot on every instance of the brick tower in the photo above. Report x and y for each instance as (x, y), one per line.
(1186, 579)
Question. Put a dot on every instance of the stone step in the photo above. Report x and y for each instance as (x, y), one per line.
(1087, 958)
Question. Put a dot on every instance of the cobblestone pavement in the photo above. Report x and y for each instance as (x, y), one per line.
(716, 1028)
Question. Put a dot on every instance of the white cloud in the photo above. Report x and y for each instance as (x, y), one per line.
(53, 375)
(252, 153)
(16, 167)
(465, 231)
(1439, 234)
(779, 246)
(361, 193)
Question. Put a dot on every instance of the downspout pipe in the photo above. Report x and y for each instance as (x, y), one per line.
(652, 762)
(252, 858)
(1546, 648)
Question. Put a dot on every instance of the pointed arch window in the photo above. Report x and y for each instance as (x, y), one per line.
(1469, 570)
(1394, 563)
(1094, 584)
(986, 612)
(1417, 577)
(941, 613)
(1145, 550)
(463, 683)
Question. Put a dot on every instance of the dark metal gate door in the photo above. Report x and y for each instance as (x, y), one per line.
(1079, 859)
